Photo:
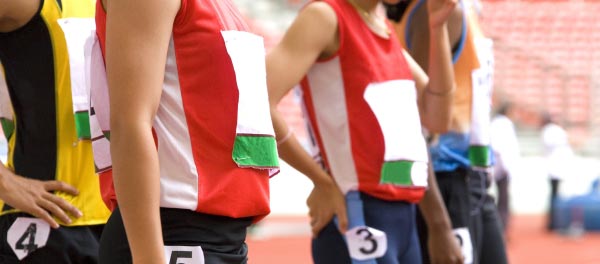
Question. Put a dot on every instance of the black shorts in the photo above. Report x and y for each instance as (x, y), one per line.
(469, 206)
(65, 245)
(222, 239)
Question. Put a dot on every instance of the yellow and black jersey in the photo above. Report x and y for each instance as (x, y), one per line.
(43, 141)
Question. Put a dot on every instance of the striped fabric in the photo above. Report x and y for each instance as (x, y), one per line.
(215, 141)
(47, 140)
(365, 116)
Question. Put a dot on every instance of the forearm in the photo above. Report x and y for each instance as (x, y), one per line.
(439, 91)
(136, 179)
(292, 152)
(433, 208)
(5, 173)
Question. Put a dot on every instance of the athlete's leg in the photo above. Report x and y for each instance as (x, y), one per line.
(423, 234)
(65, 245)
(329, 247)
(412, 253)
(503, 201)
(454, 190)
(493, 249)
(398, 221)
(221, 239)
(114, 248)
(488, 242)
(477, 192)
(553, 194)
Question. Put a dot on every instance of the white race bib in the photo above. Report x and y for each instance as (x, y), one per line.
(464, 240)
(88, 84)
(26, 235)
(366, 243)
(394, 104)
(483, 82)
(255, 138)
(78, 32)
(184, 255)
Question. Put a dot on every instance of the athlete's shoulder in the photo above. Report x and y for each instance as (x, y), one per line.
(15, 14)
(315, 27)
(320, 11)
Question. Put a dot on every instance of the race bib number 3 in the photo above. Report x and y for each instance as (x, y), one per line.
(464, 241)
(184, 255)
(26, 235)
(366, 243)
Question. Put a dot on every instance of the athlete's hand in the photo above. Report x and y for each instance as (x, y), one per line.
(444, 248)
(439, 11)
(36, 198)
(325, 201)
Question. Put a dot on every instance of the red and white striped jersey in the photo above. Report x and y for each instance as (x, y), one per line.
(362, 107)
(215, 140)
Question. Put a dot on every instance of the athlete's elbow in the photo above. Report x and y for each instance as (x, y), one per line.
(437, 126)
(122, 128)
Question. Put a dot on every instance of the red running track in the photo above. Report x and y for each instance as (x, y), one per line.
(528, 243)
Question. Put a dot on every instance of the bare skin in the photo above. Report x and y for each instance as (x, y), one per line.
(138, 33)
(441, 248)
(314, 35)
(15, 14)
(28, 195)
(442, 244)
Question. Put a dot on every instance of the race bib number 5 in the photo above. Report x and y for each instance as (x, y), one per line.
(26, 235)
(366, 243)
(184, 255)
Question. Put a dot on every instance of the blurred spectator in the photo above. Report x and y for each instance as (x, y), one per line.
(558, 155)
(507, 154)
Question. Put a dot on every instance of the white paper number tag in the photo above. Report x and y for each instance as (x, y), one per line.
(464, 240)
(366, 243)
(184, 255)
(27, 235)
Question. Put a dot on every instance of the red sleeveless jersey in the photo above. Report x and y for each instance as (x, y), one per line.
(213, 129)
(362, 108)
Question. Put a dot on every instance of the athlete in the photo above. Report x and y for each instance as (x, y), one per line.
(366, 99)
(559, 155)
(189, 72)
(461, 157)
(52, 210)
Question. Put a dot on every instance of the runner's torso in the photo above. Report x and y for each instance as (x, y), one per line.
(213, 129)
(467, 144)
(362, 107)
(44, 143)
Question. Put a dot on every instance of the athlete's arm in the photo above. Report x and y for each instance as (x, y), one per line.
(436, 99)
(313, 34)
(36, 198)
(15, 14)
(138, 33)
(436, 96)
(443, 246)
(28, 195)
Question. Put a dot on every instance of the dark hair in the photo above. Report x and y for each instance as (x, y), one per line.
(546, 118)
(396, 11)
(504, 108)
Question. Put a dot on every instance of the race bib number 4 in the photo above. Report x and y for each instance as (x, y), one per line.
(366, 243)
(26, 235)
(184, 255)
(464, 240)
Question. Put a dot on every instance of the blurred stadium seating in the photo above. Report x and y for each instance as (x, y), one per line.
(548, 58)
